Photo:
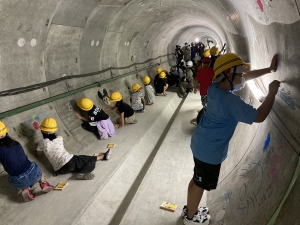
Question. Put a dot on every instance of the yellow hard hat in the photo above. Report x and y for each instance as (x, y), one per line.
(85, 104)
(159, 69)
(214, 50)
(206, 53)
(3, 129)
(162, 75)
(115, 97)
(135, 87)
(49, 125)
(146, 80)
(227, 61)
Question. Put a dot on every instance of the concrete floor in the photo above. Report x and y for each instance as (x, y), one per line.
(152, 162)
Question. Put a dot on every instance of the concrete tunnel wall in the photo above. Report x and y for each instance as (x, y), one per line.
(45, 40)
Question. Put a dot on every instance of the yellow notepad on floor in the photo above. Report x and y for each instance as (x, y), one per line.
(61, 185)
(168, 206)
(111, 145)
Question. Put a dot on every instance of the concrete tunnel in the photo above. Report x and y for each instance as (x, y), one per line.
(55, 52)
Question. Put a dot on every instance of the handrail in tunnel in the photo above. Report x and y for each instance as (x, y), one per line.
(69, 93)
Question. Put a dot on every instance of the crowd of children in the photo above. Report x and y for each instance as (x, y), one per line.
(222, 110)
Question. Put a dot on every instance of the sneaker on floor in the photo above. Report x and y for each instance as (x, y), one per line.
(106, 155)
(184, 211)
(27, 195)
(85, 176)
(202, 210)
(133, 122)
(46, 187)
(197, 219)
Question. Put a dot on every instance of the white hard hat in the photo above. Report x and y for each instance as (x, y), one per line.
(189, 63)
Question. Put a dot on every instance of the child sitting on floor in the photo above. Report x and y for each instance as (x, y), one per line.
(149, 91)
(22, 173)
(98, 121)
(62, 161)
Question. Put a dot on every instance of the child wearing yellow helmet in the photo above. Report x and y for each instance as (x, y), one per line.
(126, 113)
(62, 161)
(149, 91)
(160, 84)
(22, 173)
(211, 138)
(97, 122)
(137, 98)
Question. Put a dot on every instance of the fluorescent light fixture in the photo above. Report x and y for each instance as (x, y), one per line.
(258, 94)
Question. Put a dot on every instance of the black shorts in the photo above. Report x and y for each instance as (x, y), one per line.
(206, 175)
(80, 164)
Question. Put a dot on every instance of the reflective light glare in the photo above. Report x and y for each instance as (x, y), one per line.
(197, 40)
(258, 94)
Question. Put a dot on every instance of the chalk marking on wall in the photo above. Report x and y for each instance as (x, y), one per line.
(227, 197)
(287, 98)
(248, 197)
(276, 159)
(31, 127)
(267, 142)
(261, 6)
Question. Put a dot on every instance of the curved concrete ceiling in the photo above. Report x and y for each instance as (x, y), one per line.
(46, 40)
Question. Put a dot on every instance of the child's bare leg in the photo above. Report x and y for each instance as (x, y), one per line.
(45, 186)
(100, 157)
(194, 196)
(103, 155)
(42, 179)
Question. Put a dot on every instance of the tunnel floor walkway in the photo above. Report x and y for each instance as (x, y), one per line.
(151, 163)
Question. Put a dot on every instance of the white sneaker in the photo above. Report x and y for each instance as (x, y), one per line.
(197, 219)
(201, 210)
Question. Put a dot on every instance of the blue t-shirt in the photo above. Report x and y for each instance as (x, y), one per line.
(14, 160)
(211, 138)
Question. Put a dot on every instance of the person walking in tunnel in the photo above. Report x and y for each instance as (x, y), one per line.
(198, 63)
(214, 54)
(187, 52)
(137, 97)
(97, 122)
(149, 91)
(178, 54)
(204, 78)
(190, 72)
(62, 161)
(211, 138)
(126, 113)
(161, 85)
(23, 174)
